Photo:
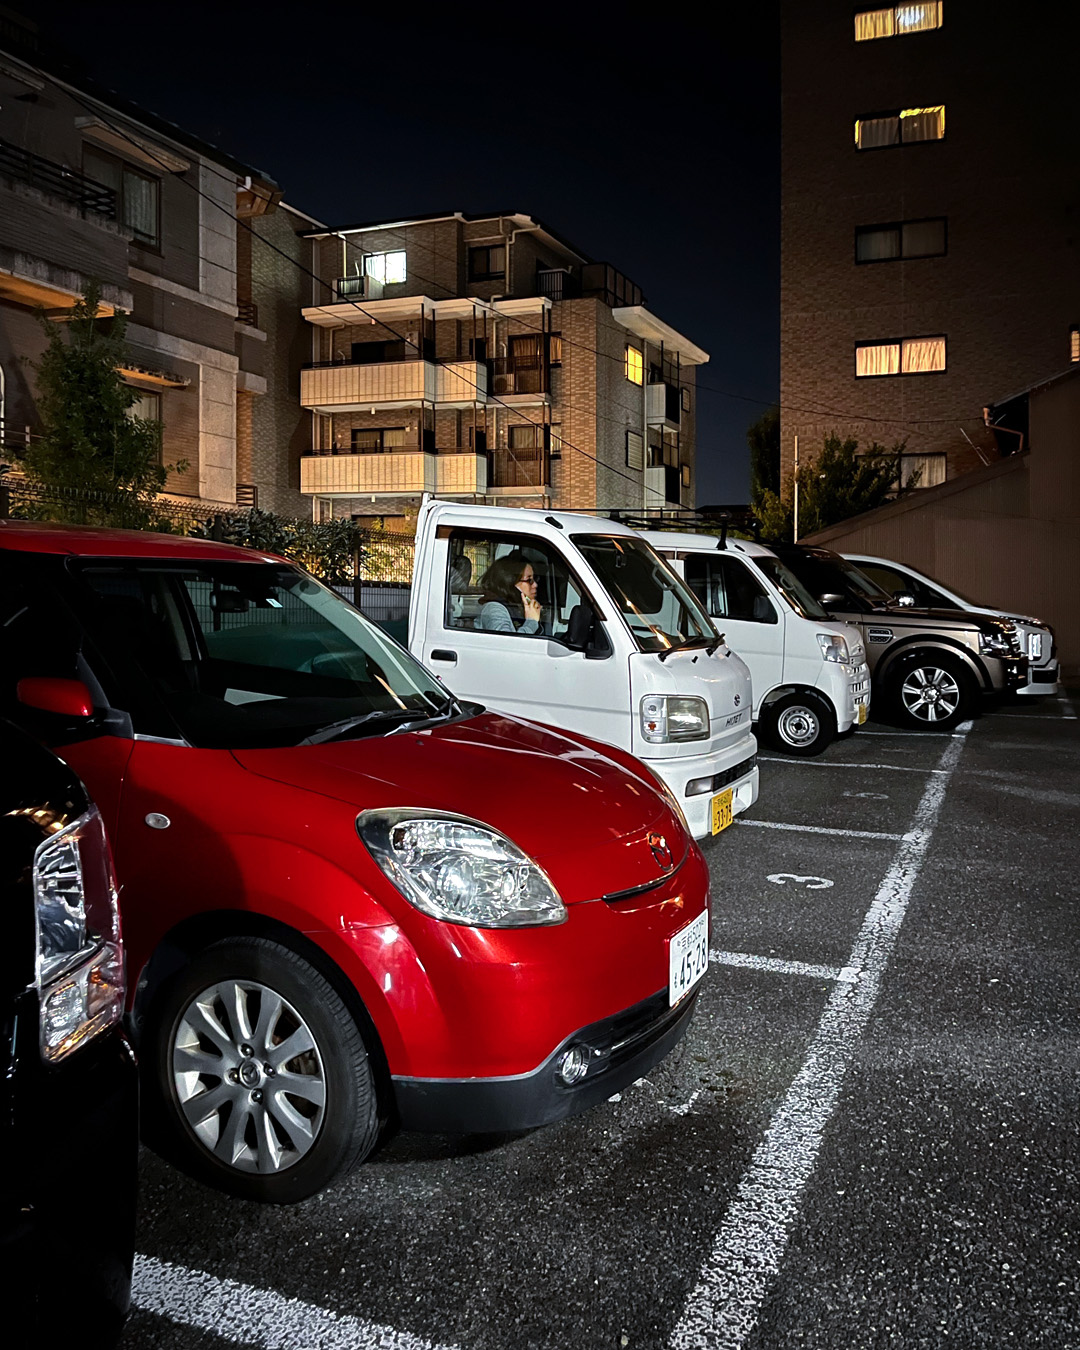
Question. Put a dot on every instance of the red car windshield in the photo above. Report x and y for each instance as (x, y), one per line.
(250, 654)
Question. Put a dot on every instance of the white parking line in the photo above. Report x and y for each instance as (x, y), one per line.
(843, 764)
(775, 966)
(1040, 717)
(722, 1309)
(256, 1317)
(821, 829)
(907, 735)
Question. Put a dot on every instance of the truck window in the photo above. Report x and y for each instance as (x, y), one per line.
(482, 584)
(660, 610)
(728, 589)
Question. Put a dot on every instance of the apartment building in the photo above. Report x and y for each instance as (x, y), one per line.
(94, 188)
(930, 244)
(486, 357)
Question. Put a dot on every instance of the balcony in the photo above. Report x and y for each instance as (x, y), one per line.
(57, 180)
(663, 405)
(662, 486)
(394, 473)
(340, 387)
(516, 469)
(521, 380)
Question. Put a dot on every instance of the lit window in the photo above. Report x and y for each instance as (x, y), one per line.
(905, 239)
(900, 128)
(388, 268)
(556, 441)
(1074, 344)
(634, 366)
(897, 21)
(909, 356)
(686, 475)
(635, 450)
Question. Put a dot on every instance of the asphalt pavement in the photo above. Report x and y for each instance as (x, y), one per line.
(868, 1138)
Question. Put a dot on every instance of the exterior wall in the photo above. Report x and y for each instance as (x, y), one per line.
(1006, 178)
(1007, 535)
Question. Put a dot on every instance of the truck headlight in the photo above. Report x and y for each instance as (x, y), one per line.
(458, 870)
(80, 957)
(833, 648)
(674, 717)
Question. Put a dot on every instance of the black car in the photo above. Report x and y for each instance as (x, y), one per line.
(68, 1093)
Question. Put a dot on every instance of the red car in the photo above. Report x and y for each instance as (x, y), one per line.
(349, 901)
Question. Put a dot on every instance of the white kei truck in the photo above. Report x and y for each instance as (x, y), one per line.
(810, 676)
(624, 652)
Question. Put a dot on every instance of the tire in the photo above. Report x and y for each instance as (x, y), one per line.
(228, 1104)
(801, 723)
(931, 691)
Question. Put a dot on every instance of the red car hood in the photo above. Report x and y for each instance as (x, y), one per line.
(590, 823)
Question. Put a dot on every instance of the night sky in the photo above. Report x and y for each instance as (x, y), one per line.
(645, 137)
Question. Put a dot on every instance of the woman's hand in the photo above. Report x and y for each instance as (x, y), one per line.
(532, 606)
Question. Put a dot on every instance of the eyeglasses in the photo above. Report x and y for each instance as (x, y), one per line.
(530, 581)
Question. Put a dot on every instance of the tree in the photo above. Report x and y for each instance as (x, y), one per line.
(326, 549)
(838, 483)
(96, 463)
(763, 437)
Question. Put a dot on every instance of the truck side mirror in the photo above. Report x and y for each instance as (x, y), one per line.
(830, 599)
(68, 698)
(580, 627)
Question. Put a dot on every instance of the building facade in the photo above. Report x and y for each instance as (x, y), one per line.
(485, 357)
(930, 243)
(93, 189)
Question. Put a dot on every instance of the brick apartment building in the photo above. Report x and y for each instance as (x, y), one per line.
(485, 357)
(93, 188)
(930, 222)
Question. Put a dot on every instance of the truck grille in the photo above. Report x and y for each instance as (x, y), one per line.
(721, 780)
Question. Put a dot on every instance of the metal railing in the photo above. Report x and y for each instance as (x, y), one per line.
(519, 375)
(247, 311)
(57, 180)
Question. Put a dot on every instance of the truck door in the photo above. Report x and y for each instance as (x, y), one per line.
(478, 638)
(743, 610)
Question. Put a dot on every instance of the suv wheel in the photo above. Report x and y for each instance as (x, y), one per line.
(932, 690)
(798, 724)
(262, 1083)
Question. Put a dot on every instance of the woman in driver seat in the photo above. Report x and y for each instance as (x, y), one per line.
(509, 603)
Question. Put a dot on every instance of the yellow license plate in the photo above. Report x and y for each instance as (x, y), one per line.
(862, 713)
(721, 810)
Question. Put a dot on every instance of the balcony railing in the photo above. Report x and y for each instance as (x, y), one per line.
(343, 386)
(57, 180)
(518, 468)
(247, 311)
(394, 472)
(663, 404)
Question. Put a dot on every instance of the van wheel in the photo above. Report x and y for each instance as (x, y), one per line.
(931, 690)
(262, 1085)
(801, 723)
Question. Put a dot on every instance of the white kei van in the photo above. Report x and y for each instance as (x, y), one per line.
(810, 677)
(623, 652)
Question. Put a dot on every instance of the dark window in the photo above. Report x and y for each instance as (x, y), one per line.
(487, 264)
(635, 451)
(138, 195)
(728, 589)
(685, 400)
(904, 239)
(372, 440)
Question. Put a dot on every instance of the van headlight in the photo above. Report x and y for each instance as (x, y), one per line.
(833, 648)
(674, 717)
(459, 870)
(80, 956)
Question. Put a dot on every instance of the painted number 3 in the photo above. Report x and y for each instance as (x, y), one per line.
(811, 883)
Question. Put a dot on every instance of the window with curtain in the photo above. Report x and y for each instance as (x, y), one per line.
(1074, 344)
(909, 356)
(900, 128)
(904, 239)
(137, 194)
(633, 365)
(375, 440)
(922, 124)
(897, 21)
(930, 468)
(389, 268)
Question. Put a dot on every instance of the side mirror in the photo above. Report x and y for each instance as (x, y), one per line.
(831, 600)
(68, 698)
(904, 598)
(580, 626)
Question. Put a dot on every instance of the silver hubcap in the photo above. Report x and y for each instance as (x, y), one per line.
(248, 1076)
(798, 726)
(930, 694)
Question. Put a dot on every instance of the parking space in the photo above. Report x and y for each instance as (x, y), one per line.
(870, 1117)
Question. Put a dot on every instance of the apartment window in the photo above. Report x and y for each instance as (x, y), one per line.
(930, 469)
(375, 440)
(686, 475)
(907, 356)
(900, 128)
(526, 436)
(897, 21)
(635, 450)
(556, 441)
(554, 349)
(904, 239)
(138, 195)
(389, 268)
(633, 365)
(487, 264)
(1074, 344)
(685, 400)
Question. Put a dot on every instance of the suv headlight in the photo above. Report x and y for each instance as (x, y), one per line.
(80, 956)
(458, 870)
(999, 641)
(833, 648)
(674, 717)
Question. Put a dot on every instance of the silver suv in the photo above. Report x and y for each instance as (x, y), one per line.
(928, 666)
